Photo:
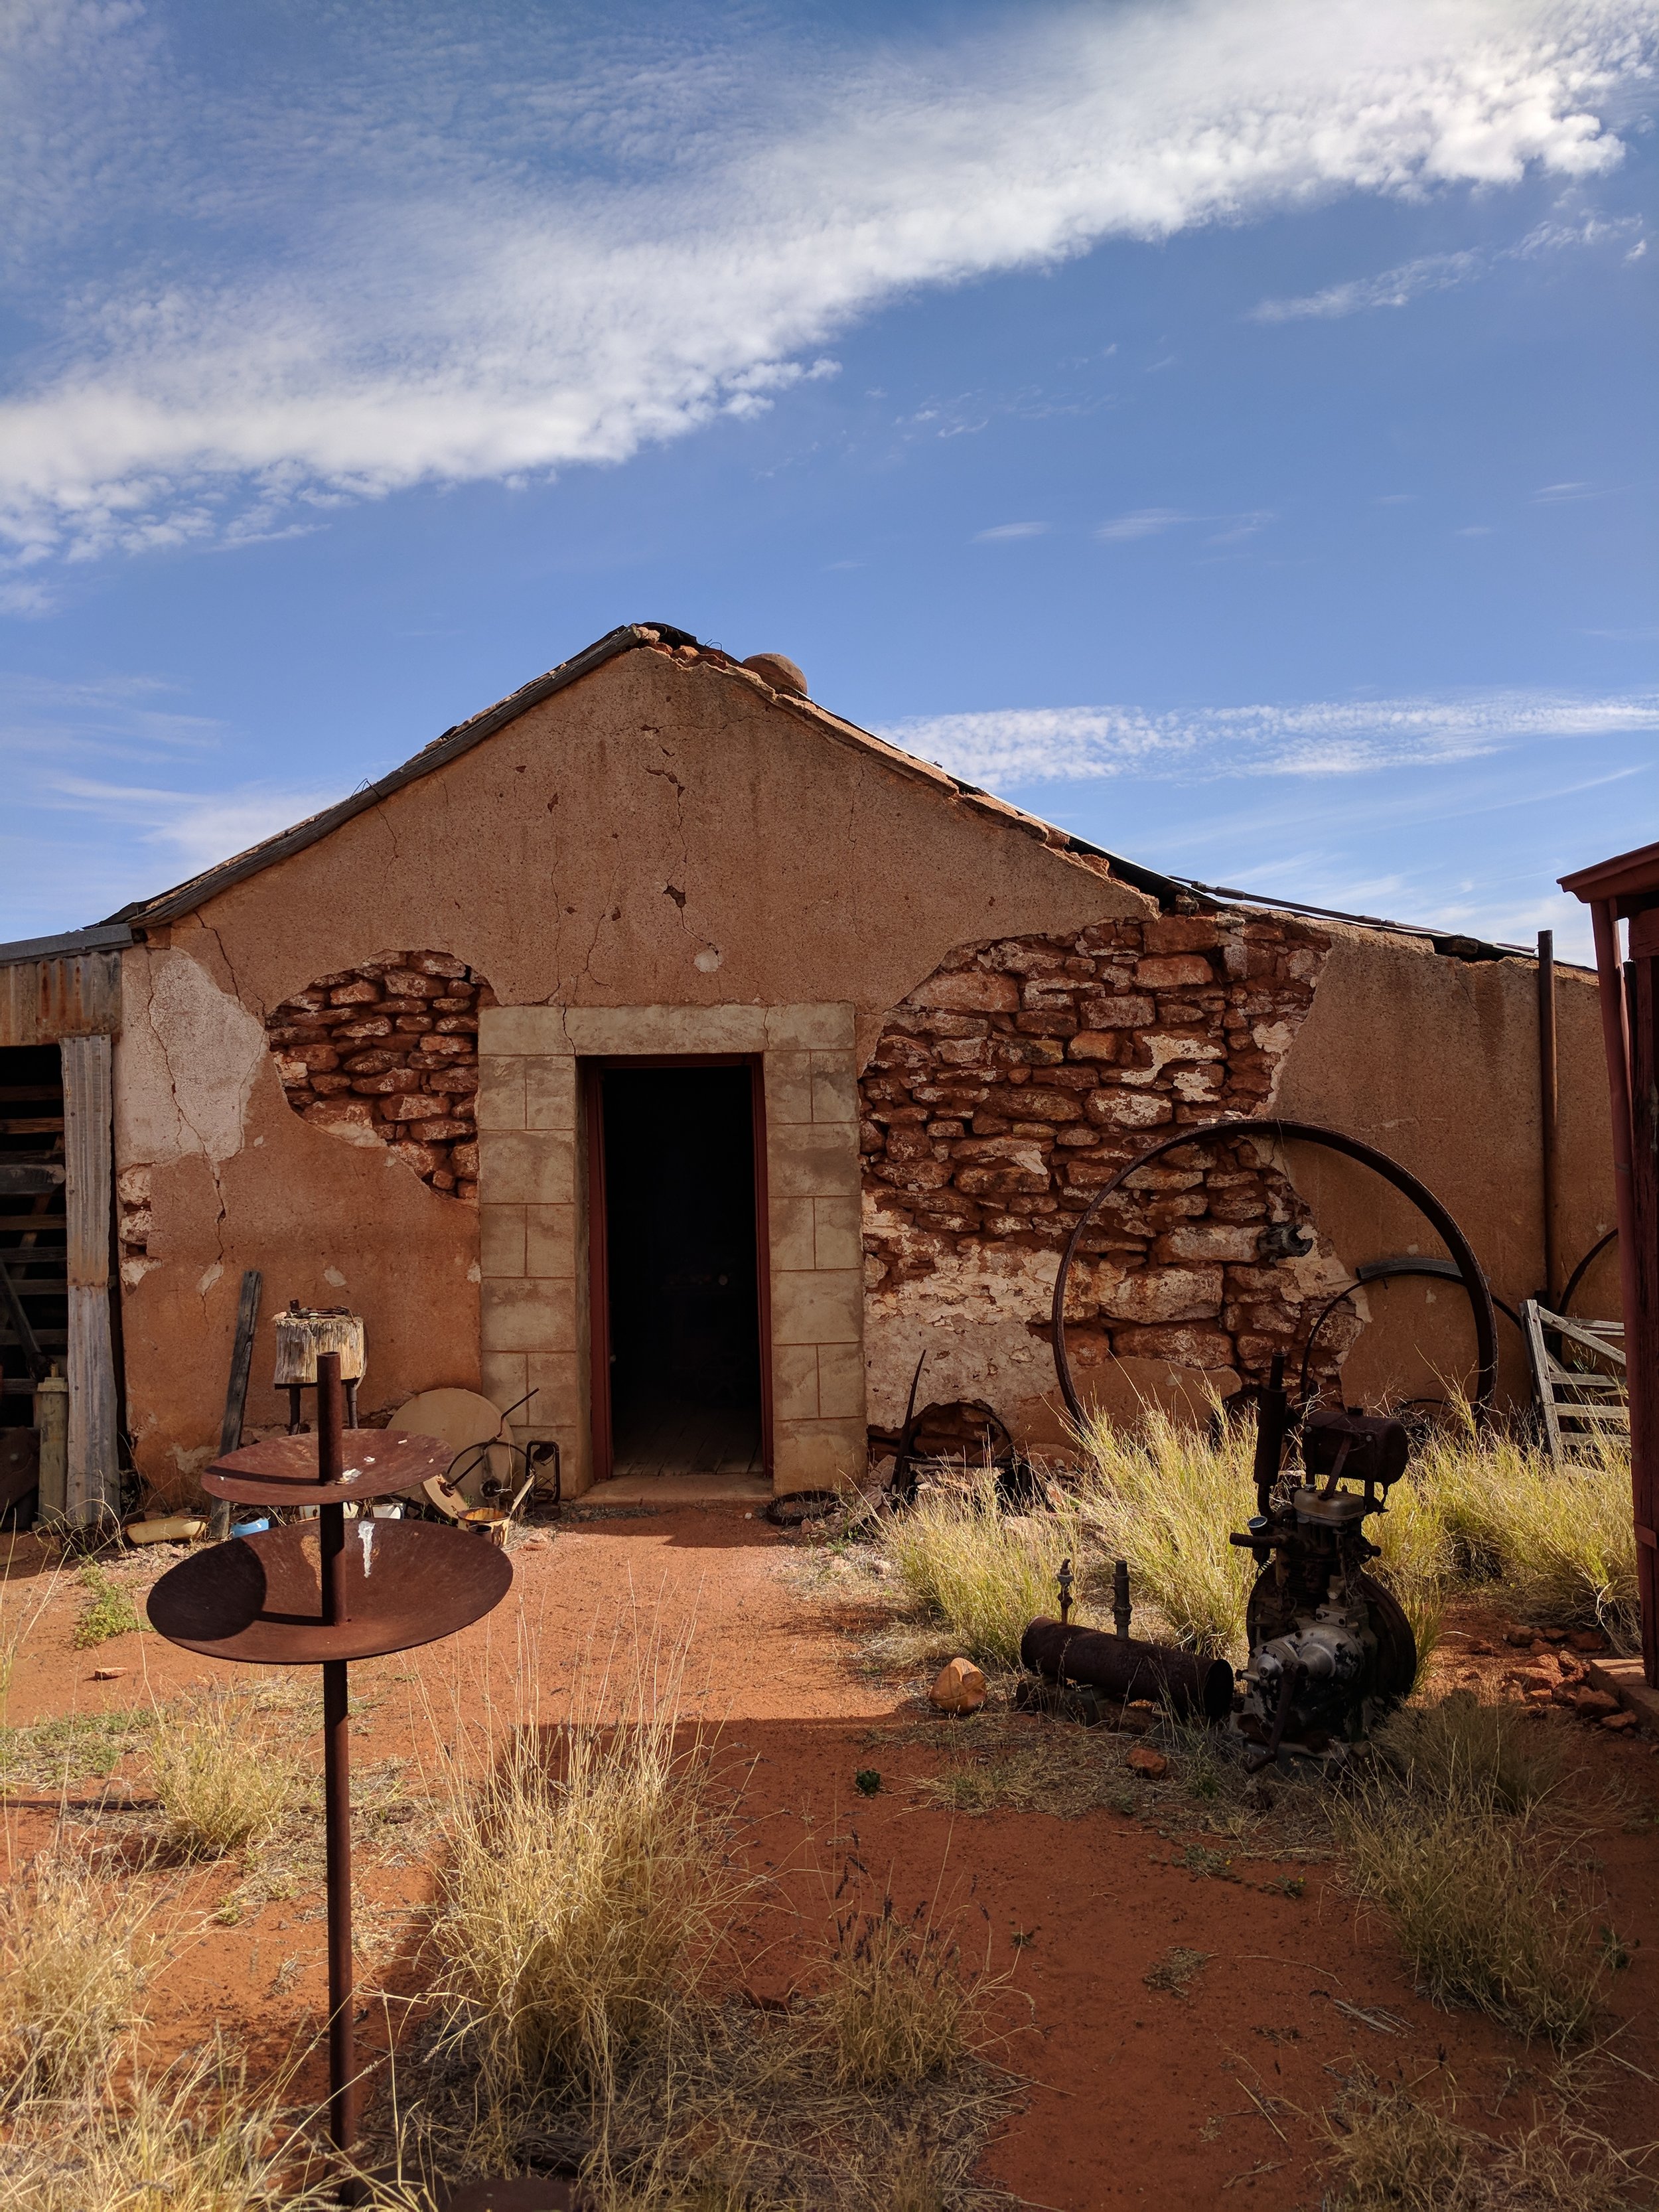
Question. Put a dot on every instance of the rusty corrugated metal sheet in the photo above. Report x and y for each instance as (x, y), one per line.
(42, 1000)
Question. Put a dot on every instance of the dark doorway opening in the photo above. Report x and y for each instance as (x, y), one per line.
(681, 1277)
(34, 1256)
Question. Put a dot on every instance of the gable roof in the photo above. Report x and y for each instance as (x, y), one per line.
(183, 898)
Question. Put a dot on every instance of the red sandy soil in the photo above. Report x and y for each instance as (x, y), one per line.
(1137, 2096)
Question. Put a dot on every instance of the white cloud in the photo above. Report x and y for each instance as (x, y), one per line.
(198, 829)
(1002, 532)
(1440, 272)
(1059, 745)
(478, 243)
(1144, 522)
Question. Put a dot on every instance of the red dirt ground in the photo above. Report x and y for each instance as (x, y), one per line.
(1137, 2097)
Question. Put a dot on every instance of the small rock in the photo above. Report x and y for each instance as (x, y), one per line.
(1478, 1649)
(1136, 1722)
(1533, 1681)
(1553, 1635)
(1518, 1636)
(1592, 1704)
(1618, 1720)
(108, 1673)
(1588, 1639)
(960, 1688)
(1541, 1697)
(535, 1544)
(1569, 1666)
(1144, 1760)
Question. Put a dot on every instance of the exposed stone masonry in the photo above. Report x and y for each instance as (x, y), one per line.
(1025, 1072)
(135, 1224)
(388, 1054)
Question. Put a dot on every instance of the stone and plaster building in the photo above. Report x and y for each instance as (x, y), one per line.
(659, 1043)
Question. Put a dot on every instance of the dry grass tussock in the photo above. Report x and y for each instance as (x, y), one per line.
(1393, 2149)
(896, 2006)
(1165, 1497)
(194, 2137)
(1561, 1543)
(591, 1933)
(980, 1572)
(224, 1781)
(1485, 1891)
(73, 1963)
(1471, 1510)
(587, 1890)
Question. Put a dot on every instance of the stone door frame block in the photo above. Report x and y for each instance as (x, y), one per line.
(533, 1217)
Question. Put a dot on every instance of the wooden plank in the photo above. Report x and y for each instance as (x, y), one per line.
(93, 1484)
(26, 1178)
(241, 1362)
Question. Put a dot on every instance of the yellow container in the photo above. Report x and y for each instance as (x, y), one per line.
(174, 1529)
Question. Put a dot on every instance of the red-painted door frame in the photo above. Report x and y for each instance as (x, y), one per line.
(598, 1271)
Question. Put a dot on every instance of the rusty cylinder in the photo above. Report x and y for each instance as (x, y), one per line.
(1126, 1669)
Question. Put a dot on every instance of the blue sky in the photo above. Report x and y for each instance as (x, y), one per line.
(1225, 428)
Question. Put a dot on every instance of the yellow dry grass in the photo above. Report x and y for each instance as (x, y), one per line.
(223, 1781)
(586, 1890)
(981, 1573)
(1559, 1543)
(193, 2137)
(73, 1961)
(1484, 1890)
(897, 2003)
(1392, 2149)
(1165, 1497)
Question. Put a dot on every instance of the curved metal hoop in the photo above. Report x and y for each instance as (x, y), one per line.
(1584, 1267)
(1384, 1271)
(1474, 1281)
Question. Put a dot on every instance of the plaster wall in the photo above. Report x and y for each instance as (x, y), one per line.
(215, 1174)
(665, 832)
(1435, 1061)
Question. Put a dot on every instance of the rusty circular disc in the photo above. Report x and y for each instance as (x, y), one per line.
(259, 1598)
(282, 1471)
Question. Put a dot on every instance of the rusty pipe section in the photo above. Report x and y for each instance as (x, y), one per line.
(1126, 1669)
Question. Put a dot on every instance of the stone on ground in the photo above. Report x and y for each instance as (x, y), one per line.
(960, 1688)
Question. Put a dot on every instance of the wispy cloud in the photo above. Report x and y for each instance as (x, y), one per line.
(1442, 272)
(487, 243)
(1062, 744)
(1002, 532)
(195, 828)
(49, 720)
(1144, 522)
(113, 791)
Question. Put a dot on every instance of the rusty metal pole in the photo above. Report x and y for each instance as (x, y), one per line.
(1615, 1037)
(1549, 1098)
(336, 1762)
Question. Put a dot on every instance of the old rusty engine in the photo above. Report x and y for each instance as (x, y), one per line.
(1330, 1649)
